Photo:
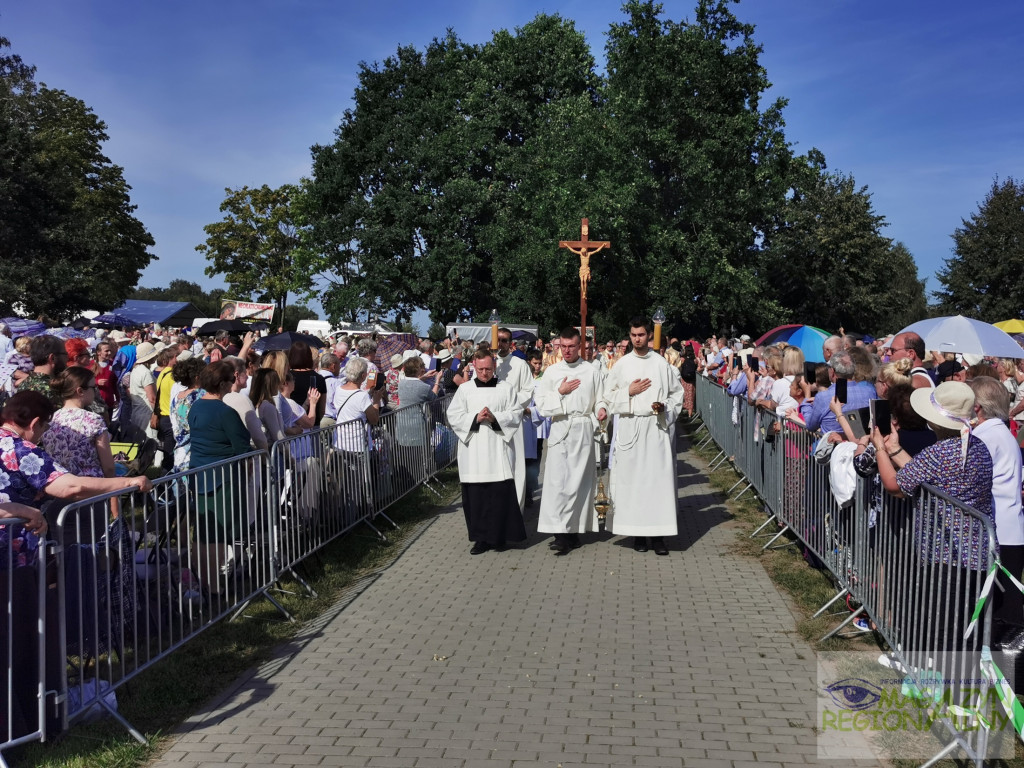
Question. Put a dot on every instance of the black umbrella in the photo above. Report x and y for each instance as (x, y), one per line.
(232, 326)
(285, 341)
(81, 323)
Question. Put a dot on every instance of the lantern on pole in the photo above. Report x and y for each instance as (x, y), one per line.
(659, 319)
(495, 321)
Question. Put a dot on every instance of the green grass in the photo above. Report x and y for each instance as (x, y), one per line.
(806, 589)
(163, 696)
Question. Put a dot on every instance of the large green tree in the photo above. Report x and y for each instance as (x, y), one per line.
(688, 97)
(256, 245)
(68, 235)
(985, 277)
(828, 264)
(456, 173)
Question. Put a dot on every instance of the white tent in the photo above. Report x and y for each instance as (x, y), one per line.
(477, 332)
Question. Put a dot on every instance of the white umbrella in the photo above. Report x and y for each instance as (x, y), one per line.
(966, 336)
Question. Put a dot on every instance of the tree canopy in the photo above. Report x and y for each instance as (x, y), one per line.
(827, 262)
(68, 235)
(255, 246)
(460, 166)
(985, 276)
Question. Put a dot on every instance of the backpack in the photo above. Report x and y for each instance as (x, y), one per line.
(689, 371)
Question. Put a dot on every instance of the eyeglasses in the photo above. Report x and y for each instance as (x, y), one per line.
(504, 341)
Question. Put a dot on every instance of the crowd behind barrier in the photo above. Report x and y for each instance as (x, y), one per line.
(129, 579)
(916, 567)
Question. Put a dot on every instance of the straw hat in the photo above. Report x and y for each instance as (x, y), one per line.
(145, 352)
(397, 360)
(443, 356)
(950, 405)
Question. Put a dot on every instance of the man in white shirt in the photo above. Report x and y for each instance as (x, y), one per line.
(568, 394)
(991, 409)
(515, 372)
(330, 366)
(910, 345)
(645, 392)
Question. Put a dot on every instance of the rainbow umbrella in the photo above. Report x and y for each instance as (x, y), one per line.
(807, 337)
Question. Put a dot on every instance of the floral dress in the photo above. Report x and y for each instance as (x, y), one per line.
(179, 425)
(25, 470)
(71, 441)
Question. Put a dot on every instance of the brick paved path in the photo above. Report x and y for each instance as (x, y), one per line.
(605, 657)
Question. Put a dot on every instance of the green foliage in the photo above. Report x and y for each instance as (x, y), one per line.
(67, 234)
(254, 246)
(985, 277)
(437, 331)
(687, 96)
(295, 312)
(184, 290)
(460, 167)
(828, 263)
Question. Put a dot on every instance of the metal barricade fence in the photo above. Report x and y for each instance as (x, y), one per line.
(319, 488)
(325, 482)
(30, 662)
(917, 566)
(135, 576)
(141, 574)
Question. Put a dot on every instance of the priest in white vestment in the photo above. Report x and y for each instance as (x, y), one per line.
(485, 415)
(515, 372)
(645, 392)
(568, 394)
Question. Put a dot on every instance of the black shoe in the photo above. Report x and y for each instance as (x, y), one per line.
(561, 544)
(574, 541)
(658, 545)
(640, 543)
(479, 548)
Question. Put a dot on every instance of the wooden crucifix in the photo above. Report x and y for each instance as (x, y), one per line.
(584, 248)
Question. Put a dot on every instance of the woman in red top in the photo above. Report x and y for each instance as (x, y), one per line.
(106, 380)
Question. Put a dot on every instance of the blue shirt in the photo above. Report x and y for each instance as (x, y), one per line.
(818, 415)
(738, 386)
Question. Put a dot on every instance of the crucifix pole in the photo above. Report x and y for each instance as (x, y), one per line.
(584, 248)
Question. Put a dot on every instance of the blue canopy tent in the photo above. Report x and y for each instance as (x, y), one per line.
(176, 314)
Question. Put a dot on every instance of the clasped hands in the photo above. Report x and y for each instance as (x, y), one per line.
(485, 415)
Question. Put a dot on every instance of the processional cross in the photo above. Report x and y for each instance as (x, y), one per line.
(584, 248)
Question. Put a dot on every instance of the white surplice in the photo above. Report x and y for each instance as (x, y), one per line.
(570, 469)
(485, 455)
(643, 485)
(516, 372)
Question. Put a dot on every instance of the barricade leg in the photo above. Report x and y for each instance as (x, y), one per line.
(839, 595)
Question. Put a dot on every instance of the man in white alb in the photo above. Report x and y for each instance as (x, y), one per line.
(484, 414)
(568, 393)
(515, 372)
(645, 392)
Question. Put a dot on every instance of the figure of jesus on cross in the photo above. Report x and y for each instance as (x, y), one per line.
(584, 248)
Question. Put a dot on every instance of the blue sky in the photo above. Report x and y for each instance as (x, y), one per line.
(920, 101)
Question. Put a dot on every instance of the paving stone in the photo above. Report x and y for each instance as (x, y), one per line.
(605, 657)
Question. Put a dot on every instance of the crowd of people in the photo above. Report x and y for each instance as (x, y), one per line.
(104, 412)
(908, 417)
